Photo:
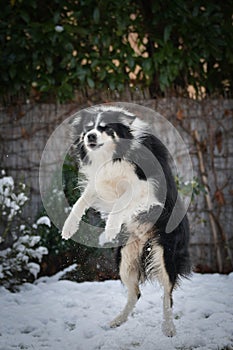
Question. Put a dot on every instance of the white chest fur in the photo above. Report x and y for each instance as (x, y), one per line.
(117, 187)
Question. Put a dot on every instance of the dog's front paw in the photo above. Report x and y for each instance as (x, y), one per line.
(111, 233)
(102, 239)
(107, 236)
(112, 229)
(70, 227)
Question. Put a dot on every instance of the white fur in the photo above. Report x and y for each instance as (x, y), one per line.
(97, 120)
(102, 108)
(113, 189)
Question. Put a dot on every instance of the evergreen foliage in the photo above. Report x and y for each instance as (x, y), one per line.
(54, 48)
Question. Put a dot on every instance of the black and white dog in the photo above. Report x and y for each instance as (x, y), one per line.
(129, 181)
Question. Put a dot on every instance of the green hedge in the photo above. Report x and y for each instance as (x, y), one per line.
(53, 48)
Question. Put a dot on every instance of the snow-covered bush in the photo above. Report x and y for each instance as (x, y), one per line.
(11, 203)
(21, 251)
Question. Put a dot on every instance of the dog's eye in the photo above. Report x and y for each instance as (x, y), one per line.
(87, 128)
(103, 127)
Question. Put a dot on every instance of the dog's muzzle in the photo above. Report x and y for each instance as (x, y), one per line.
(92, 141)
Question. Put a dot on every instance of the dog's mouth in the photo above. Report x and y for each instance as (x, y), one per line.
(94, 145)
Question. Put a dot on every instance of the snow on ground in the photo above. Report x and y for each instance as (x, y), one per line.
(64, 315)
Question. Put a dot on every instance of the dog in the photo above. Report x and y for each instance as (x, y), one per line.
(128, 179)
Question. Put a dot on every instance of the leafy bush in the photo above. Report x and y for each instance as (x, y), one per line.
(187, 188)
(51, 49)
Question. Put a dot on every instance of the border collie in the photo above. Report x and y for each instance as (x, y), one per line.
(129, 181)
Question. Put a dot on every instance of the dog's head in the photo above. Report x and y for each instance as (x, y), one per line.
(100, 129)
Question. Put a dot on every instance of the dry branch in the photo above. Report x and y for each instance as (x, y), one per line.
(208, 200)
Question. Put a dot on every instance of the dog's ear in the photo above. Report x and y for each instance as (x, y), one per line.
(76, 128)
(85, 114)
(126, 118)
(119, 116)
(78, 121)
(80, 118)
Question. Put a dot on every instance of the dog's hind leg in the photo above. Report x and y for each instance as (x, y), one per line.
(130, 275)
(156, 269)
(168, 327)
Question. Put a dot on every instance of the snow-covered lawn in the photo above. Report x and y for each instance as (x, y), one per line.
(64, 315)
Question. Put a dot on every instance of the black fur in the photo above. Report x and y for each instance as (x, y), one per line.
(175, 243)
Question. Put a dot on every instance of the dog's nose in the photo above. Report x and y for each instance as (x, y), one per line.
(92, 137)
